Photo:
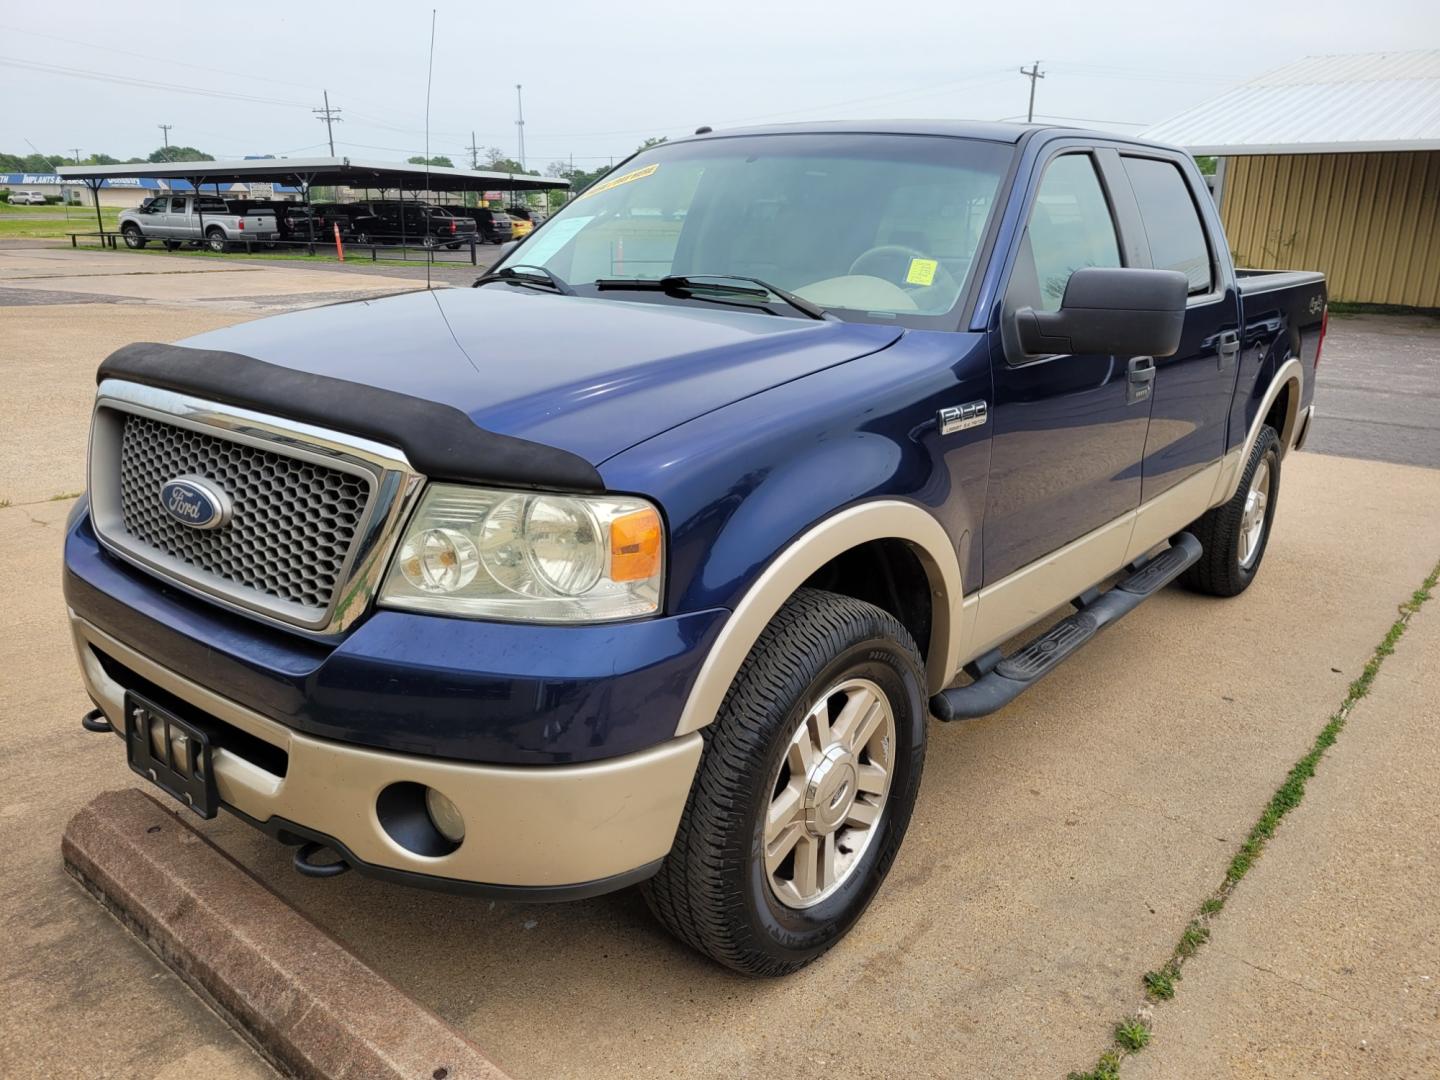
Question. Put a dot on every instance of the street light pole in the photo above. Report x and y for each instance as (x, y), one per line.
(520, 123)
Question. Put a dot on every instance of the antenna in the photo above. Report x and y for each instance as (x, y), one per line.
(429, 75)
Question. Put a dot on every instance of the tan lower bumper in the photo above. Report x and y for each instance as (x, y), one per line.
(525, 826)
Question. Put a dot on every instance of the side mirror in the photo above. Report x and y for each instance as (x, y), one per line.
(1118, 310)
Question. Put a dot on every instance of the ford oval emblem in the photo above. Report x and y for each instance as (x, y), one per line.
(196, 502)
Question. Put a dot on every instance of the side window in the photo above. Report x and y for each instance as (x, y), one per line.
(177, 205)
(1070, 227)
(1172, 224)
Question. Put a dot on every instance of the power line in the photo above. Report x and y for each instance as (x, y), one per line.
(1034, 75)
(147, 84)
(330, 116)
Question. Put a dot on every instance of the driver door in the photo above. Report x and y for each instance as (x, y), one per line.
(1069, 430)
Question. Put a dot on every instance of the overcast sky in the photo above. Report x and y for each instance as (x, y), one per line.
(600, 77)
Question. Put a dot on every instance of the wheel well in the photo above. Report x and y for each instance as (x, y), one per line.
(888, 574)
(1281, 415)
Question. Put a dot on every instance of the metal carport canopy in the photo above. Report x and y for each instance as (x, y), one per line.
(321, 172)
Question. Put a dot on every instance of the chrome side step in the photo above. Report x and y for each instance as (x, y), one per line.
(999, 681)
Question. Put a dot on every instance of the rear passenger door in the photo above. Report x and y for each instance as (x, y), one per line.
(1194, 387)
(1069, 431)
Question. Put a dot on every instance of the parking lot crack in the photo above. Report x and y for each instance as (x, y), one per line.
(1132, 1034)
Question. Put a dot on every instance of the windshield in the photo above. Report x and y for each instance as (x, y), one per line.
(867, 226)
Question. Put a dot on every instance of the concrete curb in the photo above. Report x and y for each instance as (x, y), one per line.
(309, 1006)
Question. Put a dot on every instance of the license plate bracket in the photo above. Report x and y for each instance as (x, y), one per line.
(181, 765)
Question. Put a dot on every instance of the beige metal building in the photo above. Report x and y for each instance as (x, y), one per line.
(1333, 164)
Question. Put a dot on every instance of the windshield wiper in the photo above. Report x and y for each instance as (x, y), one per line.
(533, 276)
(697, 284)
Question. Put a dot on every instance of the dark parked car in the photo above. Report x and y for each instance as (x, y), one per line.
(495, 226)
(418, 223)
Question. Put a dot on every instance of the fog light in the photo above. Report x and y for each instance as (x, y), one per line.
(445, 816)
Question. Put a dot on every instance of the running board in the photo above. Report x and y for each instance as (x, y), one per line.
(999, 683)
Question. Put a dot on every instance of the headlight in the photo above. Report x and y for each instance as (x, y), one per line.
(533, 558)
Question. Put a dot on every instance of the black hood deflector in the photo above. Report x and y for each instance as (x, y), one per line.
(439, 440)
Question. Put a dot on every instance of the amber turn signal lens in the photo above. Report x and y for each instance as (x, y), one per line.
(635, 546)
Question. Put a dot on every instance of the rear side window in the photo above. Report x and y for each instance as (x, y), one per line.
(1070, 228)
(1172, 224)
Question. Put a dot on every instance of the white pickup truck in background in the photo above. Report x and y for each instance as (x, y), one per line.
(181, 219)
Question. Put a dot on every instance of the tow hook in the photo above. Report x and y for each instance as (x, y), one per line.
(95, 720)
(303, 865)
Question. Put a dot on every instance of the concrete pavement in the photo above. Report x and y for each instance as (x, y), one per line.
(1326, 962)
(1057, 851)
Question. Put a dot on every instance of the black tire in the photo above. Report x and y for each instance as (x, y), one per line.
(215, 240)
(172, 245)
(1220, 570)
(134, 238)
(713, 891)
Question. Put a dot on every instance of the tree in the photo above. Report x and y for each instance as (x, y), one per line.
(439, 160)
(652, 141)
(178, 153)
(1206, 164)
(496, 161)
(102, 159)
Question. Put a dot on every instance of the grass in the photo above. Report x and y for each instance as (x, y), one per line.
(1160, 985)
(27, 222)
(358, 255)
(65, 495)
(1133, 1034)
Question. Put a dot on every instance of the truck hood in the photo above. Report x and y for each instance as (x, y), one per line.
(590, 376)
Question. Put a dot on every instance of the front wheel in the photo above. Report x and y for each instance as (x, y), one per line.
(1235, 534)
(133, 236)
(804, 790)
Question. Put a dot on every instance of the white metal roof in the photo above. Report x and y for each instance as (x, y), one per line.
(1320, 105)
(386, 174)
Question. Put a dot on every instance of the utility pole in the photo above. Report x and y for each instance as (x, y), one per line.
(166, 129)
(474, 152)
(520, 124)
(331, 117)
(1033, 74)
(76, 151)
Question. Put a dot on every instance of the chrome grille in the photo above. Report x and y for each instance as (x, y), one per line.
(293, 525)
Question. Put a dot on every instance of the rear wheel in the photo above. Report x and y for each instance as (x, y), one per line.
(215, 240)
(134, 238)
(1236, 534)
(804, 791)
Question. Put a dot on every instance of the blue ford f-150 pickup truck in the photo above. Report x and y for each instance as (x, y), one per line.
(649, 558)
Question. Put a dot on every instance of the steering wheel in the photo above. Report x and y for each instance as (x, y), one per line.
(891, 262)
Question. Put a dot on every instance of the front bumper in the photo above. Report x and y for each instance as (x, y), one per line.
(537, 833)
(424, 685)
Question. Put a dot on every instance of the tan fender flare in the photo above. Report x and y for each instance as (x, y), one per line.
(1291, 373)
(881, 520)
